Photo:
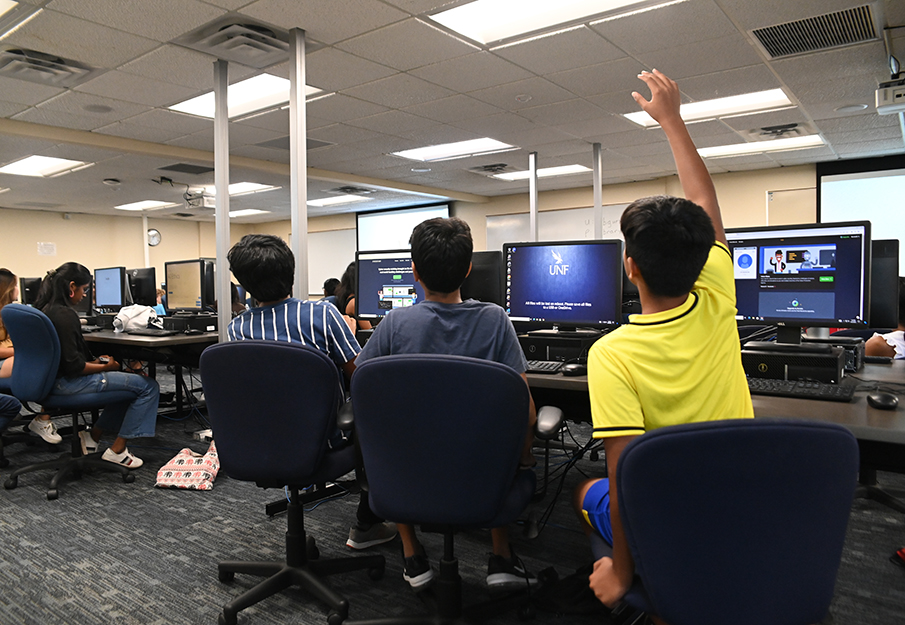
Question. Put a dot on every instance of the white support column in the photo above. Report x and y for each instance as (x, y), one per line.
(532, 196)
(298, 162)
(598, 192)
(221, 184)
(144, 238)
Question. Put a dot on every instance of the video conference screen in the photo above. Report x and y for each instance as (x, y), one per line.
(385, 282)
(814, 274)
(570, 283)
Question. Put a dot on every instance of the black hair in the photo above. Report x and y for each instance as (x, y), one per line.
(902, 301)
(669, 238)
(330, 285)
(346, 288)
(55, 285)
(441, 252)
(264, 266)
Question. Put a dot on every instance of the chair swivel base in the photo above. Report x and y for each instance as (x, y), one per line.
(67, 465)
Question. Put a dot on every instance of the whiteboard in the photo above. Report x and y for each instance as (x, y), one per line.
(573, 224)
(329, 253)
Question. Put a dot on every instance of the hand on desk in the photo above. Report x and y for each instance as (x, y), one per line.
(606, 584)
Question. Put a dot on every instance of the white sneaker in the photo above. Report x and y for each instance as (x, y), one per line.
(89, 445)
(46, 430)
(125, 458)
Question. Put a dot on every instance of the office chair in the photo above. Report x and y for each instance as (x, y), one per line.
(34, 374)
(740, 521)
(272, 407)
(444, 453)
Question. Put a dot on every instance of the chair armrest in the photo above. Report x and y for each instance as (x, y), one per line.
(344, 418)
(549, 421)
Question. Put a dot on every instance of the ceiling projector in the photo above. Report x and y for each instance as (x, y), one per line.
(891, 97)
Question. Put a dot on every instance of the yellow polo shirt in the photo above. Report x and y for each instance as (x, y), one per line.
(677, 366)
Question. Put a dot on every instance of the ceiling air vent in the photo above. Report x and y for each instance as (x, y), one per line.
(283, 143)
(783, 131)
(240, 39)
(492, 169)
(350, 190)
(823, 32)
(186, 168)
(44, 69)
(183, 214)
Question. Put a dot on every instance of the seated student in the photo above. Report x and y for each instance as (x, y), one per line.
(345, 296)
(265, 267)
(444, 324)
(891, 344)
(9, 410)
(80, 372)
(330, 286)
(159, 308)
(679, 360)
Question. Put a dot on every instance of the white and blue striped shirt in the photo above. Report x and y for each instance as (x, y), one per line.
(316, 324)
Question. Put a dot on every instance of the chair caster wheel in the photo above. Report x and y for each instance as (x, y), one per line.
(11, 483)
(128, 478)
(375, 573)
(227, 620)
(335, 618)
(525, 612)
(226, 576)
(52, 494)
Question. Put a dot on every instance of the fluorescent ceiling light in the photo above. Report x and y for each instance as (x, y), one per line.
(744, 104)
(459, 149)
(144, 205)
(546, 172)
(339, 199)
(2, 190)
(487, 21)
(6, 6)
(242, 188)
(757, 147)
(43, 166)
(14, 16)
(637, 12)
(248, 212)
(245, 97)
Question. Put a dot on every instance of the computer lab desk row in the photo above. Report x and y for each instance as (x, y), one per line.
(880, 433)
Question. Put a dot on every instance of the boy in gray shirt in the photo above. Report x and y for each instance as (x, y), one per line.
(444, 324)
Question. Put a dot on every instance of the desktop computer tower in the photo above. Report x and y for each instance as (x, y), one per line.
(181, 323)
(782, 364)
(555, 348)
(853, 346)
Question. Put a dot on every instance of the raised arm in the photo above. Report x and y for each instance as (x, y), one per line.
(663, 106)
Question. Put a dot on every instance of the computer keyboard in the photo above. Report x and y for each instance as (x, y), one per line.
(801, 389)
(153, 332)
(87, 329)
(544, 366)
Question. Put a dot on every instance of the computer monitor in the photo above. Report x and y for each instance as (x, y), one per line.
(28, 290)
(485, 281)
(143, 285)
(569, 286)
(85, 308)
(884, 284)
(385, 282)
(111, 289)
(810, 275)
(189, 285)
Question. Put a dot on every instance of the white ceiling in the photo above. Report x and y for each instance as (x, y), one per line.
(399, 82)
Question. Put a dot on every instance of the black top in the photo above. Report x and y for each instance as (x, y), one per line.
(74, 352)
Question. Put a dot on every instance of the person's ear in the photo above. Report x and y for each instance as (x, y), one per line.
(415, 273)
(468, 273)
(631, 269)
(72, 288)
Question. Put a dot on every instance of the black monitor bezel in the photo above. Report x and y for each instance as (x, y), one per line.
(818, 323)
(523, 326)
(148, 274)
(24, 283)
(490, 261)
(166, 274)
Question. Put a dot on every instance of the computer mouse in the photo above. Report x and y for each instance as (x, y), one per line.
(883, 401)
(191, 331)
(574, 368)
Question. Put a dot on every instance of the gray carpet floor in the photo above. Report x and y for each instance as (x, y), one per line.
(109, 552)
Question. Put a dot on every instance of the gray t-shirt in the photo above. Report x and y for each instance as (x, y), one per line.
(472, 328)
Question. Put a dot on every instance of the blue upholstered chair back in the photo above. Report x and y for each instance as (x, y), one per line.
(37, 352)
(271, 407)
(440, 437)
(739, 521)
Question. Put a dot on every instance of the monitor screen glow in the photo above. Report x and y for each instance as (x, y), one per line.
(385, 282)
(108, 287)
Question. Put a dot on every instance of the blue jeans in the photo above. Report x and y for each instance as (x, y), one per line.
(9, 408)
(134, 419)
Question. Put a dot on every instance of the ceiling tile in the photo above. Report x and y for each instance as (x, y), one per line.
(137, 89)
(617, 102)
(181, 66)
(730, 82)
(573, 48)
(79, 40)
(416, 7)
(635, 137)
(59, 118)
(264, 154)
(229, 5)
(334, 70)
(852, 61)
(821, 99)
(621, 75)
(407, 45)
(453, 109)
(531, 92)
(837, 139)
(472, 72)
(203, 140)
(694, 59)
(8, 109)
(24, 92)
(564, 112)
(392, 122)
(399, 91)
(93, 106)
(693, 22)
(598, 126)
(342, 133)
(178, 122)
(156, 19)
(329, 21)
(763, 120)
(493, 125)
(855, 123)
(142, 133)
(341, 108)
